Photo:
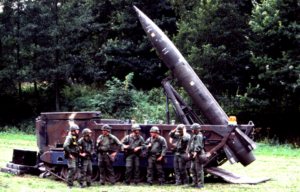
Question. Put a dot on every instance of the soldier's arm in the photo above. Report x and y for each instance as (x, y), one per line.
(146, 143)
(189, 146)
(164, 147)
(67, 144)
(80, 145)
(93, 148)
(98, 139)
(173, 134)
(198, 143)
(118, 143)
(142, 142)
(126, 141)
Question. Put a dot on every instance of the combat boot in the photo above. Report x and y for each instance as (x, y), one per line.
(149, 184)
(80, 186)
(89, 185)
(100, 184)
(69, 186)
(161, 183)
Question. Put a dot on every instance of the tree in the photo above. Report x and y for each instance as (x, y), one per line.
(275, 54)
(212, 36)
(125, 47)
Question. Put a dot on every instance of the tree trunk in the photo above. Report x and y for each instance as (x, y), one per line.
(57, 95)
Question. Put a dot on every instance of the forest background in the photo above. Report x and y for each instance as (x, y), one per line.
(87, 55)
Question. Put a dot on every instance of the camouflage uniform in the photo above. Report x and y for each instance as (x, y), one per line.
(197, 145)
(71, 147)
(132, 158)
(180, 157)
(86, 169)
(158, 148)
(104, 150)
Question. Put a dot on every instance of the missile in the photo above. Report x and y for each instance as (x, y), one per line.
(186, 76)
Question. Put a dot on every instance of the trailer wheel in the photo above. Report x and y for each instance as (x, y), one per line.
(64, 172)
(96, 173)
(118, 174)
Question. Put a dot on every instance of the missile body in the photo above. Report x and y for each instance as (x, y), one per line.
(186, 76)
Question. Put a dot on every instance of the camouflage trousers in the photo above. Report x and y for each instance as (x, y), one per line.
(132, 160)
(72, 168)
(154, 164)
(106, 168)
(86, 171)
(180, 170)
(197, 172)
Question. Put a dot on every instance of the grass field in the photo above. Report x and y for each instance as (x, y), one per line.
(279, 162)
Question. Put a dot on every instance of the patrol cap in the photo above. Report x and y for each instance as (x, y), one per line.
(86, 131)
(180, 127)
(105, 127)
(74, 127)
(135, 127)
(196, 127)
(154, 129)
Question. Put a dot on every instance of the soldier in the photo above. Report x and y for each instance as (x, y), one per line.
(180, 156)
(106, 154)
(133, 144)
(196, 148)
(86, 146)
(157, 146)
(71, 151)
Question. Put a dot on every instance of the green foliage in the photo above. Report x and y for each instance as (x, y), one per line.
(212, 37)
(275, 53)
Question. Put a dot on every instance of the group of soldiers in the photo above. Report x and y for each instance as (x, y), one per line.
(187, 148)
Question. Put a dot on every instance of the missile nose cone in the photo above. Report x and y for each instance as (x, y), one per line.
(136, 10)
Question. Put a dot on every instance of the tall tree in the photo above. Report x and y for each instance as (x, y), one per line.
(275, 54)
(212, 36)
(125, 47)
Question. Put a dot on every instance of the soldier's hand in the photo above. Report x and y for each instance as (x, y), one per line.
(82, 154)
(126, 146)
(71, 156)
(194, 155)
(188, 155)
(150, 144)
(136, 149)
(99, 141)
(184, 131)
(114, 154)
(80, 147)
(159, 159)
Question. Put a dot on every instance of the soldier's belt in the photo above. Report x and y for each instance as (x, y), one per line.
(104, 152)
(157, 154)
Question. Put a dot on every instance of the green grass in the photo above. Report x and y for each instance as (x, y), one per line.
(279, 162)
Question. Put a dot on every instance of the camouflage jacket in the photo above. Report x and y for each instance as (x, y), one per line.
(159, 145)
(87, 147)
(71, 145)
(107, 143)
(182, 141)
(197, 144)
